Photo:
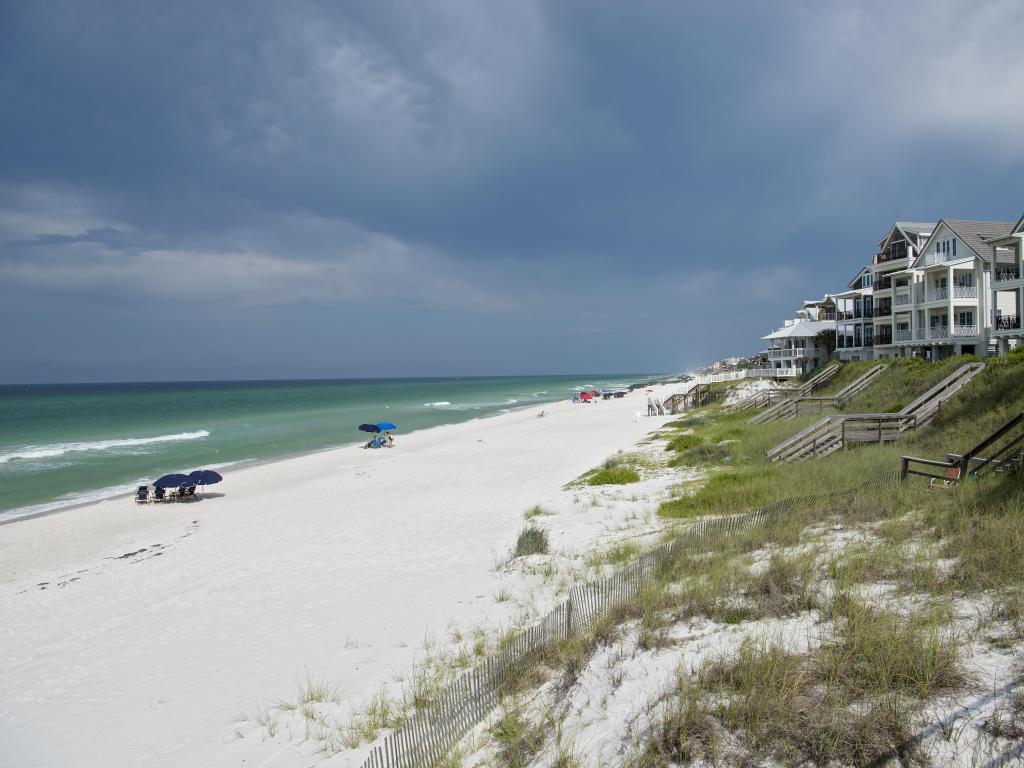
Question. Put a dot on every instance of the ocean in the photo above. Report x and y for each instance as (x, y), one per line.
(68, 444)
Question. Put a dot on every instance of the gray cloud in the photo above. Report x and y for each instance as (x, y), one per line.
(596, 179)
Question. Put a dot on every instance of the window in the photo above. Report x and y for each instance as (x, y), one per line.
(965, 318)
(954, 247)
(965, 279)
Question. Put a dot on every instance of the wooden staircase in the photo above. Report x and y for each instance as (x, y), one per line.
(795, 406)
(1006, 454)
(771, 396)
(832, 433)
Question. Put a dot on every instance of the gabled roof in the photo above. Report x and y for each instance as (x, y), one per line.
(857, 277)
(906, 228)
(802, 329)
(972, 233)
(1018, 228)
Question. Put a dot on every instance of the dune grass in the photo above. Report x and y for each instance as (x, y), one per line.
(532, 540)
(614, 476)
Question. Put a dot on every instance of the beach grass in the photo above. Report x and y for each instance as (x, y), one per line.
(532, 540)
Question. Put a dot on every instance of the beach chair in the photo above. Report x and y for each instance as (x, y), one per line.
(952, 478)
(142, 495)
(159, 494)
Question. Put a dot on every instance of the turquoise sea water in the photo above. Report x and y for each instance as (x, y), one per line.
(62, 445)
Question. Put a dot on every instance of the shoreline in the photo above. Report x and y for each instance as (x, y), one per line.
(247, 463)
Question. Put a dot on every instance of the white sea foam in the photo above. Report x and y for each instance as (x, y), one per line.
(438, 404)
(59, 449)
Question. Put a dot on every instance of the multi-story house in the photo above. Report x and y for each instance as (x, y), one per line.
(1006, 277)
(893, 286)
(794, 348)
(951, 312)
(855, 319)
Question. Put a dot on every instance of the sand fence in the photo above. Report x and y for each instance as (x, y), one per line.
(428, 735)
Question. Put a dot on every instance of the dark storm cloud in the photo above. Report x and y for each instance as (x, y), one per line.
(642, 186)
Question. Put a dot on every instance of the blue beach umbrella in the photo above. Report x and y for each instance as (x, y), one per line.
(386, 425)
(369, 428)
(205, 477)
(174, 481)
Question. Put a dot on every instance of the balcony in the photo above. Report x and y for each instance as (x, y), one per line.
(902, 334)
(965, 292)
(883, 311)
(931, 259)
(1004, 274)
(787, 354)
(938, 332)
(919, 333)
(901, 299)
(965, 330)
(1007, 322)
(883, 283)
(883, 339)
(938, 294)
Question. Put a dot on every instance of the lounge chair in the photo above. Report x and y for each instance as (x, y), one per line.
(142, 495)
(160, 494)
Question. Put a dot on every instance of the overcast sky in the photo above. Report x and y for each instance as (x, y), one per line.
(286, 190)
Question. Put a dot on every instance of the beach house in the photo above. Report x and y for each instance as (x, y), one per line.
(951, 311)
(893, 285)
(796, 348)
(1005, 273)
(855, 322)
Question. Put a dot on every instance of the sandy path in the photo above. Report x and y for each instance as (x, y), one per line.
(147, 659)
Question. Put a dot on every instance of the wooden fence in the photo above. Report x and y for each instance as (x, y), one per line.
(428, 735)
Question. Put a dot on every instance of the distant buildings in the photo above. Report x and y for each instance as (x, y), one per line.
(932, 290)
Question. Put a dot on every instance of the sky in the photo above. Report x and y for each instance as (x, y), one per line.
(248, 190)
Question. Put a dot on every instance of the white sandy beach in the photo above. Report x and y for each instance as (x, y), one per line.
(136, 636)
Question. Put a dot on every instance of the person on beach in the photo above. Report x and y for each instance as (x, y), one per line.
(540, 415)
(391, 440)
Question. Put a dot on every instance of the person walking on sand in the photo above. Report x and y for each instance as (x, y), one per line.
(540, 415)
(390, 439)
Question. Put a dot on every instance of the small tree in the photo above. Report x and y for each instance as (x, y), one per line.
(826, 340)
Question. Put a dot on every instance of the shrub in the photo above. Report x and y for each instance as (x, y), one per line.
(614, 476)
(682, 442)
(532, 541)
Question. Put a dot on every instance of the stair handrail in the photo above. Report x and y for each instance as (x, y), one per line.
(798, 436)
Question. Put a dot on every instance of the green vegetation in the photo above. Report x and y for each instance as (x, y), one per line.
(614, 476)
(531, 541)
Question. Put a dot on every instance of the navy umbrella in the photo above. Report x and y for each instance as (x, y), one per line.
(386, 425)
(174, 481)
(205, 477)
(370, 428)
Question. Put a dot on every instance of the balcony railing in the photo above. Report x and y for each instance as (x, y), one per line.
(901, 299)
(965, 291)
(931, 259)
(883, 340)
(938, 294)
(883, 311)
(965, 330)
(938, 332)
(883, 283)
(1009, 272)
(919, 333)
(902, 334)
(1007, 322)
(784, 354)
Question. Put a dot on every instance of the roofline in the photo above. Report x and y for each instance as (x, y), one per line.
(1018, 228)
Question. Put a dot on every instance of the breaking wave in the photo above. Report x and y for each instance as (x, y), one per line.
(59, 449)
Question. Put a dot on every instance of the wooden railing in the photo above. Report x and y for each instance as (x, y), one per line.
(832, 433)
(795, 406)
(957, 467)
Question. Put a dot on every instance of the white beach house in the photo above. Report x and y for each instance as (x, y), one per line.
(1006, 271)
(951, 312)
(794, 349)
(893, 285)
(855, 322)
